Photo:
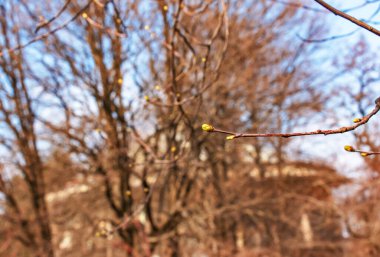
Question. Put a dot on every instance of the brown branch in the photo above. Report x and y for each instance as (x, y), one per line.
(349, 17)
(325, 132)
(47, 34)
(127, 219)
(45, 23)
(103, 28)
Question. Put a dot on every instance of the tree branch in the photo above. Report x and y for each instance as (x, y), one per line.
(358, 123)
(349, 17)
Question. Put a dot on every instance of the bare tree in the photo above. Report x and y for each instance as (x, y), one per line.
(120, 89)
(19, 137)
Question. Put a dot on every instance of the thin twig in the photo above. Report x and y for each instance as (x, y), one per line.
(299, 5)
(47, 34)
(45, 23)
(322, 40)
(325, 132)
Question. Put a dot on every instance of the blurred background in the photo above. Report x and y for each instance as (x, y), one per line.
(101, 147)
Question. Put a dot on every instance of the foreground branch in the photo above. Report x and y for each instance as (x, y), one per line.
(358, 123)
(349, 17)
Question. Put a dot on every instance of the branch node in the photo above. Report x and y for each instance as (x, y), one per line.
(377, 101)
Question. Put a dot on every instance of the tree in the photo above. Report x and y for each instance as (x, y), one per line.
(122, 89)
(19, 137)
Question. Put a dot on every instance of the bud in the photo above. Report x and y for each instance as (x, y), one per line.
(230, 137)
(146, 98)
(349, 148)
(356, 120)
(364, 154)
(207, 127)
(84, 15)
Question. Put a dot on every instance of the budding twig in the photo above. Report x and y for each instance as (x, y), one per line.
(358, 123)
(349, 148)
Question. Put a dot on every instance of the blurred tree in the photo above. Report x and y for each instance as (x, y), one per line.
(120, 89)
(28, 216)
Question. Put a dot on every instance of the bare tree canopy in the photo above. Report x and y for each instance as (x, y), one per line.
(104, 109)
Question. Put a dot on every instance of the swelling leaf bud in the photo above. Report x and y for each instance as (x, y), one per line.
(349, 148)
(207, 127)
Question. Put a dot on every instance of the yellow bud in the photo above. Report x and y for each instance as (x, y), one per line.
(207, 127)
(118, 21)
(173, 149)
(146, 190)
(165, 7)
(146, 27)
(128, 193)
(364, 154)
(349, 148)
(203, 59)
(120, 81)
(356, 120)
(157, 87)
(84, 15)
(230, 137)
(146, 98)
